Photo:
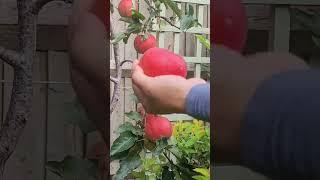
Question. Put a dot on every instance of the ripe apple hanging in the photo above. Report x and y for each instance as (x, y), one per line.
(125, 8)
(157, 127)
(142, 43)
(229, 24)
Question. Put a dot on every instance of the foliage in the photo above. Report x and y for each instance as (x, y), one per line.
(140, 24)
(74, 168)
(310, 20)
(151, 168)
(75, 114)
(193, 141)
(205, 174)
(206, 43)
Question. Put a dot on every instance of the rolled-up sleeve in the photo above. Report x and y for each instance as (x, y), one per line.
(198, 102)
(282, 127)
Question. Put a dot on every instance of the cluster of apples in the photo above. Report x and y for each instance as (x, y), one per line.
(230, 30)
(142, 42)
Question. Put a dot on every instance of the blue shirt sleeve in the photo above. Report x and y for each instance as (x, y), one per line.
(282, 127)
(198, 102)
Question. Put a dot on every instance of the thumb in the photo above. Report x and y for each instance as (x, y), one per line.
(138, 76)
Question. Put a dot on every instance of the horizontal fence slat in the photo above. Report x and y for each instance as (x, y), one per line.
(179, 117)
(169, 28)
(284, 2)
(194, 1)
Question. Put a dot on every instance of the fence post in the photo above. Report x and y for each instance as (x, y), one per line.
(280, 35)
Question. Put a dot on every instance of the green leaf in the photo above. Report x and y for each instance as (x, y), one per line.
(203, 40)
(125, 40)
(167, 174)
(157, 4)
(173, 6)
(191, 11)
(55, 167)
(133, 116)
(160, 146)
(124, 142)
(126, 19)
(127, 165)
(137, 15)
(136, 149)
(140, 175)
(120, 155)
(308, 20)
(111, 7)
(134, 98)
(204, 172)
(186, 22)
(127, 126)
(316, 41)
(200, 178)
(71, 168)
(76, 115)
(149, 145)
(118, 38)
(134, 27)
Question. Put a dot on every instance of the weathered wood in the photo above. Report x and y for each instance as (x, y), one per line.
(284, 2)
(28, 161)
(129, 104)
(281, 37)
(48, 37)
(62, 143)
(54, 13)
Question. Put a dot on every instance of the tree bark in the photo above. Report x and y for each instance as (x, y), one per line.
(19, 112)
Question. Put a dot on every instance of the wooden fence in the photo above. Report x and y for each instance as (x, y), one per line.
(52, 89)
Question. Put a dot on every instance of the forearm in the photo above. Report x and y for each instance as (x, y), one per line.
(198, 102)
(282, 125)
(87, 43)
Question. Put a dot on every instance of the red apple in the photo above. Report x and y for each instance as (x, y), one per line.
(158, 61)
(142, 44)
(157, 127)
(125, 8)
(229, 23)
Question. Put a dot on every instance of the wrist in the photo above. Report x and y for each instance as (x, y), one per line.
(197, 101)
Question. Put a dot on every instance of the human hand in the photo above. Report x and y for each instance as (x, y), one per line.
(162, 94)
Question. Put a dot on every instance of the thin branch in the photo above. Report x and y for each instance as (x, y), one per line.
(116, 89)
(11, 57)
(114, 80)
(39, 4)
(125, 61)
(168, 21)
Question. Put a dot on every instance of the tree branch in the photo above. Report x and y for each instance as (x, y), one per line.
(168, 21)
(19, 111)
(114, 80)
(39, 4)
(11, 57)
(116, 89)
